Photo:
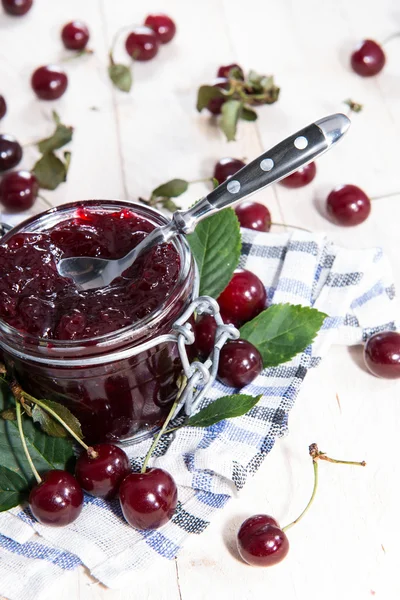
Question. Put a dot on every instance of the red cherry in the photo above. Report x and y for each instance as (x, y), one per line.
(348, 205)
(102, 475)
(163, 26)
(18, 190)
(17, 8)
(239, 363)
(253, 215)
(261, 542)
(142, 43)
(3, 107)
(148, 500)
(204, 330)
(75, 35)
(224, 71)
(301, 177)
(226, 167)
(49, 83)
(10, 152)
(215, 104)
(368, 59)
(382, 354)
(243, 298)
(57, 500)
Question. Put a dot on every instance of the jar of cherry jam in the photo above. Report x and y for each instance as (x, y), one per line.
(110, 354)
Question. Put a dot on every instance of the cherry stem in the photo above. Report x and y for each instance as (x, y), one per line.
(78, 54)
(390, 38)
(291, 226)
(47, 202)
(390, 195)
(163, 428)
(23, 442)
(204, 180)
(317, 455)
(20, 395)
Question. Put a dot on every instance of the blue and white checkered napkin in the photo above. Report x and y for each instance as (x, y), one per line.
(354, 287)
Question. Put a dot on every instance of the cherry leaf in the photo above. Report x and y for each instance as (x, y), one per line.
(248, 114)
(12, 487)
(207, 93)
(282, 331)
(171, 189)
(121, 76)
(230, 113)
(216, 245)
(61, 136)
(50, 171)
(223, 408)
(50, 425)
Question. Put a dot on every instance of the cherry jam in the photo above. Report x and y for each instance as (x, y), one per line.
(58, 340)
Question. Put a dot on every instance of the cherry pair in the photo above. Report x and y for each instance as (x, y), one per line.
(144, 41)
(243, 299)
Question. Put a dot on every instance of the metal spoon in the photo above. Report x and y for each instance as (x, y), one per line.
(275, 164)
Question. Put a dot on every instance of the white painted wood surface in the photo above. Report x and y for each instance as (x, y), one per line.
(348, 546)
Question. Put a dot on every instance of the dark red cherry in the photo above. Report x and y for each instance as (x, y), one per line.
(348, 205)
(162, 25)
(58, 500)
(148, 500)
(382, 354)
(261, 542)
(368, 58)
(102, 475)
(226, 167)
(301, 177)
(239, 363)
(49, 83)
(215, 104)
(75, 35)
(204, 331)
(253, 215)
(224, 71)
(243, 298)
(3, 107)
(18, 191)
(17, 8)
(142, 43)
(10, 152)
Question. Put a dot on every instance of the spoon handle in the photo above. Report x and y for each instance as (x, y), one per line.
(275, 164)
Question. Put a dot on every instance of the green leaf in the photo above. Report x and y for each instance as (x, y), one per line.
(12, 487)
(171, 189)
(248, 114)
(61, 136)
(223, 408)
(230, 113)
(207, 93)
(50, 425)
(50, 171)
(47, 452)
(121, 76)
(216, 245)
(282, 331)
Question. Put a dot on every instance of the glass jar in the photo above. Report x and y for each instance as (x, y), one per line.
(119, 385)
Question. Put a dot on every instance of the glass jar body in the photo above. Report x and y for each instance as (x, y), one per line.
(120, 385)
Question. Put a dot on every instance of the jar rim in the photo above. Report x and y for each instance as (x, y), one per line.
(138, 327)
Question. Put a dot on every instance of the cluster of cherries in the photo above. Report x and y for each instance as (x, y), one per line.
(148, 500)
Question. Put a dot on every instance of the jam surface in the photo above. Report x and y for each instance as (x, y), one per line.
(35, 299)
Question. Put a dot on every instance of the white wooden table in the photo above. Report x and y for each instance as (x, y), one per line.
(348, 546)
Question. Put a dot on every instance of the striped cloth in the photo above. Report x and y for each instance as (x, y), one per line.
(354, 287)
